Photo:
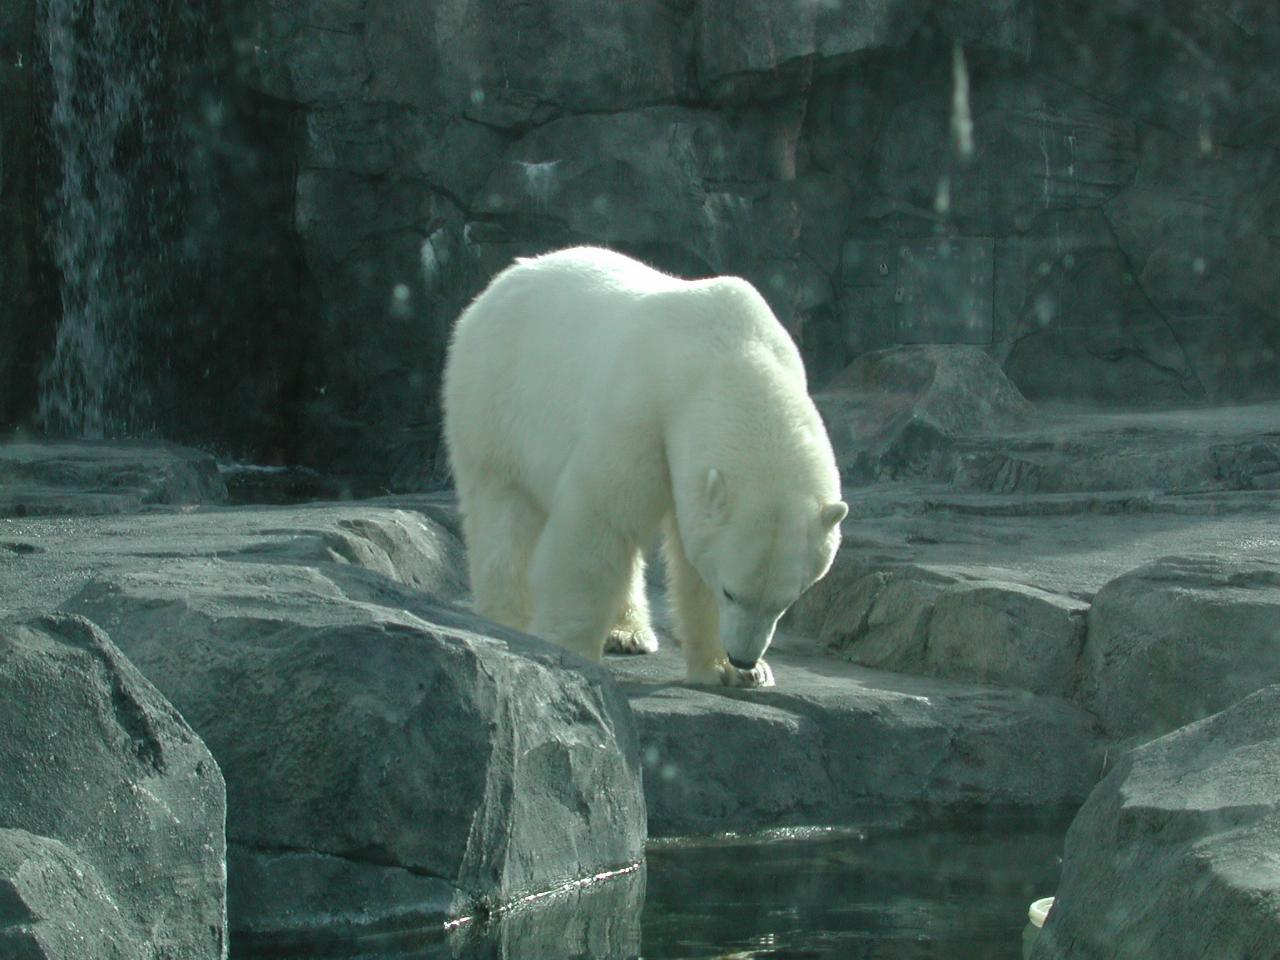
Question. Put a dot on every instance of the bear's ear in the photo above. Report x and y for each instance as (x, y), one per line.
(833, 513)
(717, 496)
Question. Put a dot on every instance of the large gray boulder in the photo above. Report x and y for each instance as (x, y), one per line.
(1179, 639)
(113, 809)
(392, 763)
(1174, 855)
(897, 413)
(960, 623)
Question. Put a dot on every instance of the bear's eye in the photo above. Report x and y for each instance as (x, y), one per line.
(729, 596)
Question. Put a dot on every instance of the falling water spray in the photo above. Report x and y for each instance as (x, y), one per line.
(105, 218)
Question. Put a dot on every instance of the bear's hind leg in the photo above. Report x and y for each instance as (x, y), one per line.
(501, 527)
(633, 633)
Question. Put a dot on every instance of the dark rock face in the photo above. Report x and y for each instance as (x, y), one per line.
(113, 808)
(1084, 191)
(389, 758)
(23, 332)
(1174, 853)
(1179, 639)
(99, 477)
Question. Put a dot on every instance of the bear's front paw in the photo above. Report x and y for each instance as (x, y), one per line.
(724, 674)
(631, 641)
(761, 675)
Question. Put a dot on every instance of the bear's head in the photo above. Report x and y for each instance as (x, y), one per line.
(758, 548)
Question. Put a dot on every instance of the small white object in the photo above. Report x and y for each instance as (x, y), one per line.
(1037, 912)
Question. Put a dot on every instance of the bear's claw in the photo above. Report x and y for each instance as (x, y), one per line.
(761, 675)
(631, 641)
(724, 674)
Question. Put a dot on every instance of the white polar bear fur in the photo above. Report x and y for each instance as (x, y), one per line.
(590, 400)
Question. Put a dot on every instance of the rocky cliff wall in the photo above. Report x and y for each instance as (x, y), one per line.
(1087, 191)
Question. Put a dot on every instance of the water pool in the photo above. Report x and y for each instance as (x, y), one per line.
(892, 895)
(888, 894)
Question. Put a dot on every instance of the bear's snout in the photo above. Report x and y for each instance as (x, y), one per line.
(743, 664)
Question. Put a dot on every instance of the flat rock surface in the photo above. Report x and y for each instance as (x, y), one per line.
(833, 742)
(1177, 853)
(44, 561)
(1047, 593)
(95, 477)
(1067, 544)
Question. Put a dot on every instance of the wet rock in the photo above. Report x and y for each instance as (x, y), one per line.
(511, 64)
(760, 49)
(391, 762)
(836, 743)
(403, 114)
(87, 477)
(114, 808)
(1179, 639)
(1174, 854)
(1104, 239)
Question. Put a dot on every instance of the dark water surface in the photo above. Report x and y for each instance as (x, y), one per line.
(889, 896)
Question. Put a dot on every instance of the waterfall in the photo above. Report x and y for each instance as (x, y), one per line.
(114, 200)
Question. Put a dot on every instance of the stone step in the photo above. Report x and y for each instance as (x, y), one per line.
(836, 743)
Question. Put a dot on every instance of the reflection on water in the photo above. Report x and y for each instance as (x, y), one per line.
(596, 921)
(886, 894)
(889, 896)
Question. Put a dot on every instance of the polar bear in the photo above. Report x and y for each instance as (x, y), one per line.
(590, 400)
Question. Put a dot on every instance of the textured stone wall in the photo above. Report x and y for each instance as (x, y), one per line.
(1088, 191)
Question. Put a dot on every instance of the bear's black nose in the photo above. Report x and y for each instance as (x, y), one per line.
(742, 664)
